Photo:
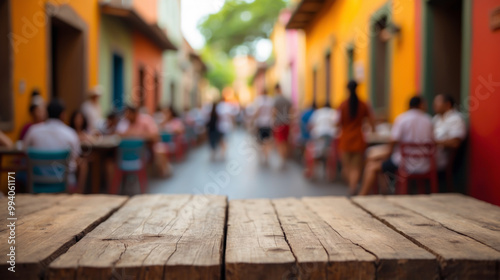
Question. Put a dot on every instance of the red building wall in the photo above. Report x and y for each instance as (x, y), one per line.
(484, 105)
(147, 56)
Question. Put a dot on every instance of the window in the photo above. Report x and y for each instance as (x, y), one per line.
(142, 84)
(6, 95)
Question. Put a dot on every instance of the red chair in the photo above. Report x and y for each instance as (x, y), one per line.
(309, 160)
(417, 153)
(331, 160)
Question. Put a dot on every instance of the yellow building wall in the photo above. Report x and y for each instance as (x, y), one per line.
(341, 23)
(30, 64)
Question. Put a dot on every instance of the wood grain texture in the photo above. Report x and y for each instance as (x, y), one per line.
(255, 246)
(397, 257)
(152, 237)
(320, 251)
(477, 219)
(460, 257)
(48, 225)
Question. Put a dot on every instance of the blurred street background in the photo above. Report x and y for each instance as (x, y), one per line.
(247, 98)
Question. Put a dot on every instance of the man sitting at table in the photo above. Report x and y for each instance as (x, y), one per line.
(54, 134)
(140, 125)
(413, 126)
(449, 128)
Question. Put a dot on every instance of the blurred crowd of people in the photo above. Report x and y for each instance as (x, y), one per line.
(342, 131)
(271, 118)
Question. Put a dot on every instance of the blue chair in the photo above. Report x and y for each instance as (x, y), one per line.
(131, 159)
(48, 170)
(167, 137)
(174, 145)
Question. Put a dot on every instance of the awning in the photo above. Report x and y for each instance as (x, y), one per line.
(151, 31)
(304, 13)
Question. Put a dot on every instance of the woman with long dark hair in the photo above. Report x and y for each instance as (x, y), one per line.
(353, 113)
(214, 135)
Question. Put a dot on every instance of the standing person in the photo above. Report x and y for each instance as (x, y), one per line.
(413, 126)
(91, 109)
(323, 125)
(353, 113)
(281, 123)
(226, 113)
(54, 134)
(214, 135)
(262, 120)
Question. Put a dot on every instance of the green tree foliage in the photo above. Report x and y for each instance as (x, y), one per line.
(240, 23)
(220, 67)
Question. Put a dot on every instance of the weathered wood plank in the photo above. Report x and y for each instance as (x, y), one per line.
(397, 257)
(255, 246)
(320, 251)
(460, 257)
(474, 218)
(151, 237)
(46, 231)
(30, 203)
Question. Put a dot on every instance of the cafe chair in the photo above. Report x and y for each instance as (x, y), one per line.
(131, 160)
(48, 170)
(174, 145)
(412, 155)
(331, 160)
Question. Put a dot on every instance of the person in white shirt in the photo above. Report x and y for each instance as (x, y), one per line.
(262, 120)
(91, 109)
(449, 128)
(413, 126)
(54, 134)
(323, 125)
(226, 113)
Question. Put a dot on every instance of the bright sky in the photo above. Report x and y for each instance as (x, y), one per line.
(192, 11)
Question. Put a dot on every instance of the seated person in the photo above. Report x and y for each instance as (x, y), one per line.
(38, 114)
(141, 125)
(108, 127)
(54, 134)
(413, 126)
(137, 125)
(449, 128)
(79, 123)
(172, 123)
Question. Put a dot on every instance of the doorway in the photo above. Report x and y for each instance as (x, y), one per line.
(172, 94)
(67, 61)
(117, 82)
(6, 97)
(443, 48)
(380, 53)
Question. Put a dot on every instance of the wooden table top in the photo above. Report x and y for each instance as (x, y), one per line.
(439, 236)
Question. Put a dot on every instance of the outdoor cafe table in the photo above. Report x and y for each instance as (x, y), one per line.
(438, 236)
(11, 151)
(97, 151)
